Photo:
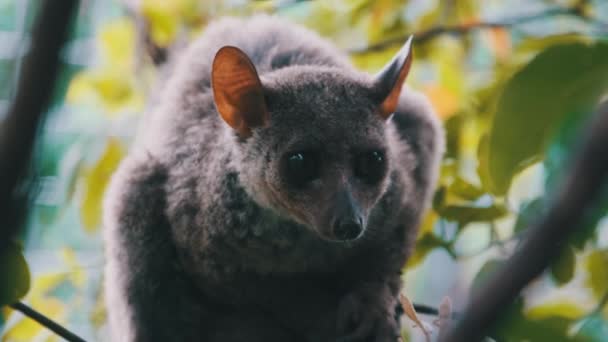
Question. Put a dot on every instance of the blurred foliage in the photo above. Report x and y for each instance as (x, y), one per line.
(16, 272)
(513, 96)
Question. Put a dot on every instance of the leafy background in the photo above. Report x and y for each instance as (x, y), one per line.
(514, 82)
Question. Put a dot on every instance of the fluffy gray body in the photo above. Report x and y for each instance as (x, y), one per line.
(205, 242)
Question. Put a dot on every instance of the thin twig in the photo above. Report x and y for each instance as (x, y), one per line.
(576, 197)
(429, 310)
(426, 35)
(46, 322)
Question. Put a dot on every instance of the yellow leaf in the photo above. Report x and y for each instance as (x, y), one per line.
(95, 181)
(163, 19)
(25, 329)
(428, 223)
(444, 101)
(562, 308)
(112, 88)
(98, 315)
(117, 39)
(597, 272)
(77, 273)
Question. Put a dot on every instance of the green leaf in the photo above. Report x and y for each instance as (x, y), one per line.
(562, 268)
(15, 274)
(467, 214)
(453, 131)
(482, 166)
(439, 198)
(560, 80)
(594, 329)
(465, 190)
(597, 272)
(536, 44)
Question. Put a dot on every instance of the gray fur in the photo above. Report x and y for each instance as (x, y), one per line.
(205, 242)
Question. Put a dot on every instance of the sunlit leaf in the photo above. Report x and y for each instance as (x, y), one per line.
(95, 182)
(117, 40)
(15, 274)
(464, 214)
(560, 80)
(25, 329)
(108, 87)
(444, 101)
(537, 44)
(98, 315)
(77, 272)
(466, 11)
(597, 272)
(41, 298)
(563, 308)
(428, 223)
(163, 19)
(465, 190)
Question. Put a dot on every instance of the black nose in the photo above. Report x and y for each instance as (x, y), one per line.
(345, 230)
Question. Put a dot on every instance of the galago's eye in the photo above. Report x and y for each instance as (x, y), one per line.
(370, 166)
(302, 167)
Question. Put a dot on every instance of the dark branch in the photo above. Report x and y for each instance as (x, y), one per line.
(427, 35)
(19, 128)
(577, 195)
(47, 322)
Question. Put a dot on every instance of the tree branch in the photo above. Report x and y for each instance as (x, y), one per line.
(19, 128)
(458, 30)
(588, 176)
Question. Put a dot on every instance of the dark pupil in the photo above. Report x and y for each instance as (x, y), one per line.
(370, 166)
(302, 167)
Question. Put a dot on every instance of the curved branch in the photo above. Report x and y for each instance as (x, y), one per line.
(587, 177)
(458, 30)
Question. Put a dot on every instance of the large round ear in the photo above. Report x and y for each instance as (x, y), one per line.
(237, 91)
(389, 81)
